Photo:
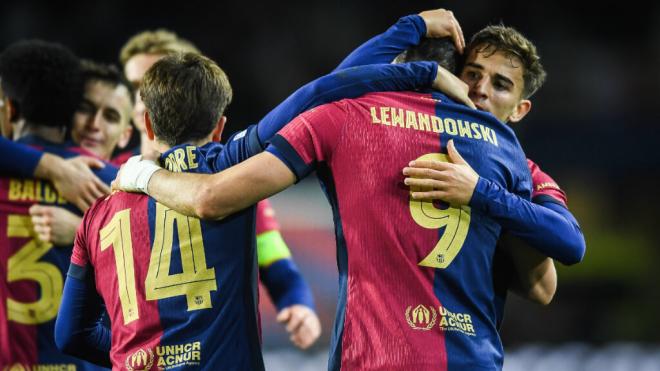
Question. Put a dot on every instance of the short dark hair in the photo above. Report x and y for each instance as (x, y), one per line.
(440, 50)
(508, 40)
(185, 95)
(109, 73)
(43, 80)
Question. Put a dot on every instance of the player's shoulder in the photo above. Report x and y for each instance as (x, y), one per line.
(116, 201)
(545, 188)
(539, 176)
(396, 98)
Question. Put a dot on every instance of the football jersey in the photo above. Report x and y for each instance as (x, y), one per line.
(180, 292)
(544, 187)
(415, 278)
(33, 272)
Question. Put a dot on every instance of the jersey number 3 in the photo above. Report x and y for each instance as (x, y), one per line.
(455, 220)
(25, 265)
(196, 281)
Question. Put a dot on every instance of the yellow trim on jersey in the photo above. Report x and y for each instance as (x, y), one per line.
(271, 248)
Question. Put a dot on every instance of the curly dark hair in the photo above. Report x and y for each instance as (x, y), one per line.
(43, 80)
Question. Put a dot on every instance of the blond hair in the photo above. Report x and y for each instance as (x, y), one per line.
(160, 41)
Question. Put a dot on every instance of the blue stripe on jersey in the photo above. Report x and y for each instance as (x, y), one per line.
(231, 337)
(466, 286)
(328, 186)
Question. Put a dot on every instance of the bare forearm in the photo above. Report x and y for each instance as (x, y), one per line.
(47, 166)
(177, 191)
(219, 195)
(535, 277)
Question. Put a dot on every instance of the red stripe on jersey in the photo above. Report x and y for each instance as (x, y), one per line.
(145, 332)
(379, 331)
(18, 342)
(544, 185)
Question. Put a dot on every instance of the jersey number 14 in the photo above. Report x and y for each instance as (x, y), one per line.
(196, 281)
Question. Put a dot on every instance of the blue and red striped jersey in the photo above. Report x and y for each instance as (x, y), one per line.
(179, 291)
(416, 287)
(33, 271)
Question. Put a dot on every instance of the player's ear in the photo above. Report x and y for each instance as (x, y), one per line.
(125, 136)
(219, 127)
(12, 112)
(521, 110)
(148, 127)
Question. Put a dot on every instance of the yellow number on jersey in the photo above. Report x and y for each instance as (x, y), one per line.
(456, 221)
(196, 281)
(25, 265)
(118, 234)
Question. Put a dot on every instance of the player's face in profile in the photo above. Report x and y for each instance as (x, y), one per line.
(134, 70)
(103, 119)
(495, 82)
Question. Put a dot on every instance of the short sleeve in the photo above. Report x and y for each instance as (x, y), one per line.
(80, 253)
(544, 187)
(310, 138)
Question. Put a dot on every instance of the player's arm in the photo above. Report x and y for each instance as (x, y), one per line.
(404, 34)
(284, 283)
(354, 82)
(287, 289)
(72, 178)
(79, 329)
(532, 275)
(549, 228)
(291, 155)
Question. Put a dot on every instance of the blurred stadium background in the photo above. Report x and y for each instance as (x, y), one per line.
(594, 127)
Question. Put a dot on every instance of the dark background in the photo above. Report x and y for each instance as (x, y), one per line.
(594, 126)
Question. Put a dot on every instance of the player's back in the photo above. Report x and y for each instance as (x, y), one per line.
(415, 278)
(33, 271)
(180, 292)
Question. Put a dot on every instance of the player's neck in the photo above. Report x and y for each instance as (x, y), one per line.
(54, 134)
(164, 147)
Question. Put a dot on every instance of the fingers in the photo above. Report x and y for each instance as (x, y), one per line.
(37, 209)
(454, 156)
(430, 195)
(457, 36)
(284, 315)
(295, 321)
(307, 333)
(425, 183)
(461, 37)
(41, 222)
(429, 164)
(91, 162)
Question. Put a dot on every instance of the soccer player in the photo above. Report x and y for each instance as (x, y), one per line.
(415, 280)
(100, 124)
(278, 272)
(213, 293)
(42, 85)
(505, 92)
